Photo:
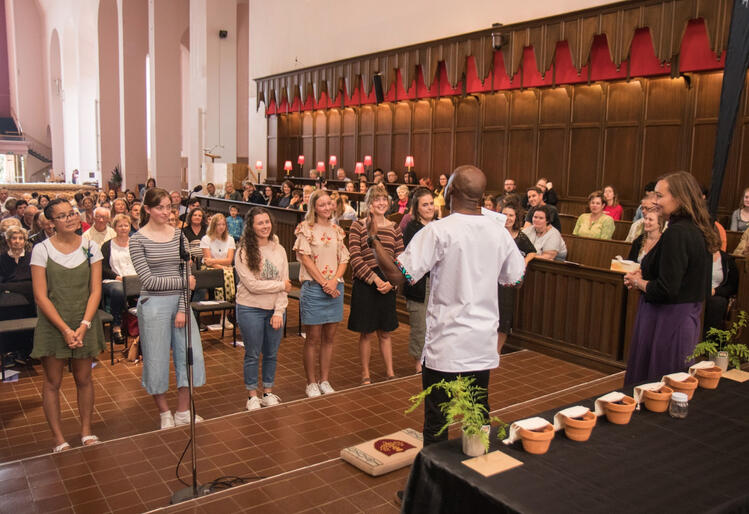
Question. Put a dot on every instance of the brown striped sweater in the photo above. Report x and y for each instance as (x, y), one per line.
(362, 258)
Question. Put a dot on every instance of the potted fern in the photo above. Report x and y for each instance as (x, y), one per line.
(116, 181)
(464, 405)
(723, 346)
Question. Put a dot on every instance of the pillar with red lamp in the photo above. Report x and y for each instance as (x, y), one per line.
(368, 165)
(288, 167)
(359, 169)
(332, 161)
(409, 162)
(258, 169)
(320, 169)
(300, 162)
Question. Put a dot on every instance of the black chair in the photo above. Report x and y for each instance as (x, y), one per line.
(10, 300)
(212, 279)
(131, 286)
(107, 319)
(296, 292)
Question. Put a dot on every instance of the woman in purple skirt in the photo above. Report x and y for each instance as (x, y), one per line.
(675, 280)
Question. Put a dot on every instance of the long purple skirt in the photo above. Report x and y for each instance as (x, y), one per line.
(663, 337)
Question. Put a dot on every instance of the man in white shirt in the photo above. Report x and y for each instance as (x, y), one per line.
(100, 232)
(467, 254)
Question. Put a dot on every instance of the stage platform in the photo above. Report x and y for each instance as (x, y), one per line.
(294, 446)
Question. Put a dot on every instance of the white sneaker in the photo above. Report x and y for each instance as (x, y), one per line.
(183, 418)
(167, 420)
(270, 399)
(253, 403)
(313, 390)
(326, 388)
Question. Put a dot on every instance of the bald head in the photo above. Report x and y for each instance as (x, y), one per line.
(466, 184)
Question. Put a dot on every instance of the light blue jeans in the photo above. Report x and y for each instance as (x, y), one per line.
(258, 336)
(158, 335)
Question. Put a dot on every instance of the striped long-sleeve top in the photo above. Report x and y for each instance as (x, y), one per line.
(157, 265)
(363, 261)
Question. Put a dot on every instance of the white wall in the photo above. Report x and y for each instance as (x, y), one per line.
(289, 34)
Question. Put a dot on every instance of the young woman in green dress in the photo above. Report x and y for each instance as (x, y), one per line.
(66, 278)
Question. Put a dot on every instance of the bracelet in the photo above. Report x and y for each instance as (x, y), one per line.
(86, 323)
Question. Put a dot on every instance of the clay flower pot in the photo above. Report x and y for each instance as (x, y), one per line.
(686, 386)
(619, 413)
(537, 441)
(579, 429)
(709, 377)
(657, 401)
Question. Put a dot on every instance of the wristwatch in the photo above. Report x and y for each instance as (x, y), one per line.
(86, 322)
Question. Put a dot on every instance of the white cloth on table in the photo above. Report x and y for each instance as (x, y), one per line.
(676, 377)
(613, 396)
(529, 424)
(576, 411)
(640, 391)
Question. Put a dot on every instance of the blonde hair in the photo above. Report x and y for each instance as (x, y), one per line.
(311, 216)
(373, 193)
(121, 217)
(211, 232)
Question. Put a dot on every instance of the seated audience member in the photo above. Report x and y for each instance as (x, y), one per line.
(489, 202)
(341, 175)
(285, 197)
(101, 197)
(648, 193)
(100, 232)
(535, 199)
(231, 194)
(14, 263)
(409, 177)
(210, 190)
(402, 205)
(217, 247)
(115, 265)
(176, 200)
(549, 195)
(134, 217)
(652, 228)
(21, 208)
(742, 249)
(270, 196)
(119, 206)
(378, 174)
(439, 195)
(174, 220)
(343, 210)
(235, 223)
(391, 177)
(47, 230)
(129, 197)
(611, 203)
(647, 204)
(724, 285)
(740, 217)
(9, 208)
(44, 201)
(86, 206)
(596, 223)
(252, 195)
(4, 194)
(306, 194)
(112, 194)
(297, 196)
(27, 220)
(194, 230)
(313, 173)
(363, 186)
(545, 238)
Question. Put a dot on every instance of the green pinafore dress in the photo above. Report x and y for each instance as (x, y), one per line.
(68, 290)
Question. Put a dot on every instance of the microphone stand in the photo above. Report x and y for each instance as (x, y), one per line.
(193, 491)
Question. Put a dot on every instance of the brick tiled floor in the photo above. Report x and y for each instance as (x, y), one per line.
(294, 445)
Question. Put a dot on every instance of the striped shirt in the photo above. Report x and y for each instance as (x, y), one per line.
(362, 260)
(158, 266)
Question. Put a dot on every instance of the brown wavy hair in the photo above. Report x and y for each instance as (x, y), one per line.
(686, 191)
(248, 242)
(151, 199)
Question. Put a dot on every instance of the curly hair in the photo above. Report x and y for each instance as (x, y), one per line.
(248, 242)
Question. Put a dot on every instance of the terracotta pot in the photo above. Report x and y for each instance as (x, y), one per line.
(579, 429)
(537, 441)
(709, 377)
(657, 401)
(619, 413)
(686, 386)
(472, 445)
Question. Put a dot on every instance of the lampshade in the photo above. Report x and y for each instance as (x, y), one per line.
(259, 165)
(300, 160)
(409, 161)
(359, 168)
(333, 160)
(287, 166)
(321, 166)
(367, 160)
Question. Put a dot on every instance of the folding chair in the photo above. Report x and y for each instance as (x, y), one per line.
(211, 279)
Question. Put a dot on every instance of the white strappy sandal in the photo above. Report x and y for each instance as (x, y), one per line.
(90, 439)
(61, 447)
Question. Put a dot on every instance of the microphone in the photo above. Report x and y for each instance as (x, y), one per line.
(197, 189)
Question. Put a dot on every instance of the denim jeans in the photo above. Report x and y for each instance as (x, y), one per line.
(158, 335)
(116, 295)
(259, 336)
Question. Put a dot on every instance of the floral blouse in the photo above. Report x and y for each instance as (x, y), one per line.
(324, 244)
(602, 228)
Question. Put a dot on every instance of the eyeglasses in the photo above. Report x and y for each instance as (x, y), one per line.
(66, 217)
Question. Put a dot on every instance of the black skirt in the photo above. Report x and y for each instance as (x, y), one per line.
(506, 308)
(370, 309)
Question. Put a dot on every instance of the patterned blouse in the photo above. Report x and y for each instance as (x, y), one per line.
(602, 228)
(324, 244)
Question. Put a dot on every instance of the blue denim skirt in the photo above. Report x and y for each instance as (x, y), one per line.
(318, 308)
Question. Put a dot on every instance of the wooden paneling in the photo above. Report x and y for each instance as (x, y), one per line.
(581, 137)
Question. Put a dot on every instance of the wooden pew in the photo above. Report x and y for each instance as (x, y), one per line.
(620, 232)
(732, 240)
(596, 253)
